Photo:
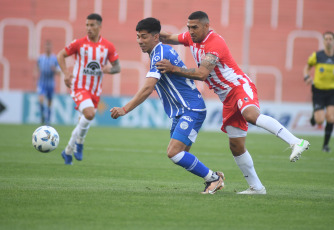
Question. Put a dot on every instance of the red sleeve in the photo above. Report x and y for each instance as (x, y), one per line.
(216, 47)
(184, 38)
(72, 48)
(112, 54)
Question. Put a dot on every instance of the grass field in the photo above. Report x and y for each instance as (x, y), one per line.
(126, 182)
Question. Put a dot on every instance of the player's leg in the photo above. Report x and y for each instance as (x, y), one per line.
(243, 159)
(253, 116)
(41, 93)
(328, 128)
(88, 114)
(86, 106)
(183, 133)
(49, 97)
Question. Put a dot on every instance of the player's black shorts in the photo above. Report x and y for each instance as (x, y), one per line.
(322, 98)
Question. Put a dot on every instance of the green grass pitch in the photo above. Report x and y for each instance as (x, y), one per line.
(126, 181)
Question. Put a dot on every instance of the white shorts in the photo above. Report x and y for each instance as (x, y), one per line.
(234, 132)
(85, 104)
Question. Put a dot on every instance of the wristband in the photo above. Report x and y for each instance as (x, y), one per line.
(306, 77)
(124, 110)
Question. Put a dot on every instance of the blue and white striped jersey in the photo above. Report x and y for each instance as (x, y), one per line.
(47, 66)
(176, 93)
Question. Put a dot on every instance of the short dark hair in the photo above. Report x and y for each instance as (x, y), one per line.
(328, 32)
(151, 25)
(96, 17)
(200, 15)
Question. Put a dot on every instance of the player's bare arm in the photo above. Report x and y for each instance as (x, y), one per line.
(139, 98)
(201, 73)
(307, 77)
(68, 76)
(169, 38)
(113, 69)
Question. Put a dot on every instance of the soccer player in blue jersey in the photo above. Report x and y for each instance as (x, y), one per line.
(47, 67)
(182, 102)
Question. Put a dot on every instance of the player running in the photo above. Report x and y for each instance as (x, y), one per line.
(182, 102)
(91, 56)
(235, 90)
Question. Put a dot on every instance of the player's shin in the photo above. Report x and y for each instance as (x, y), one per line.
(246, 165)
(192, 164)
(272, 125)
(83, 127)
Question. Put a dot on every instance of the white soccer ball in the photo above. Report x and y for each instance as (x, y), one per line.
(45, 139)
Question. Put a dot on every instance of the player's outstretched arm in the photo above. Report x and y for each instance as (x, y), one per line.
(201, 73)
(139, 98)
(169, 38)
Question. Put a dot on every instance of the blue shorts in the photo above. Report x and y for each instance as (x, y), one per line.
(185, 127)
(46, 91)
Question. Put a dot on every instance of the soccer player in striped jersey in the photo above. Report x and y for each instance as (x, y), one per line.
(47, 67)
(235, 90)
(92, 54)
(182, 102)
(322, 86)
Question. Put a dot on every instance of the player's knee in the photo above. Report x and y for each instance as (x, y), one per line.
(171, 152)
(89, 115)
(236, 148)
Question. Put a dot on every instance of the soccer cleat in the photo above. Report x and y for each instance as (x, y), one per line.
(78, 152)
(215, 185)
(252, 191)
(326, 149)
(67, 158)
(298, 149)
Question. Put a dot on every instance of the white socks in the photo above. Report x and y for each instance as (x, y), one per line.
(78, 134)
(272, 125)
(246, 165)
(83, 127)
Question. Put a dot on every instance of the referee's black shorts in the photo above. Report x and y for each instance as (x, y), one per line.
(322, 98)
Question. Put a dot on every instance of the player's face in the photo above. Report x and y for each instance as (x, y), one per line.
(93, 29)
(328, 41)
(147, 41)
(198, 30)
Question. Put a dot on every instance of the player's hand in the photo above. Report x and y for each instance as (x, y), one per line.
(165, 66)
(117, 112)
(309, 81)
(68, 80)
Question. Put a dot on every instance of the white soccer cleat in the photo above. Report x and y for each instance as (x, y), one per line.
(298, 149)
(252, 191)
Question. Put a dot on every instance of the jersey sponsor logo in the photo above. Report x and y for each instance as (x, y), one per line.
(93, 68)
(184, 125)
(156, 58)
(187, 118)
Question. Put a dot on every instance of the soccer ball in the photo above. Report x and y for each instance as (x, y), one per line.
(45, 139)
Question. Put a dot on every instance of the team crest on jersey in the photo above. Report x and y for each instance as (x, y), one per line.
(78, 96)
(240, 103)
(92, 68)
(184, 125)
(246, 99)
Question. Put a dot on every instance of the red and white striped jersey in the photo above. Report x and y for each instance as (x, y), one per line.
(227, 74)
(90, 57)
